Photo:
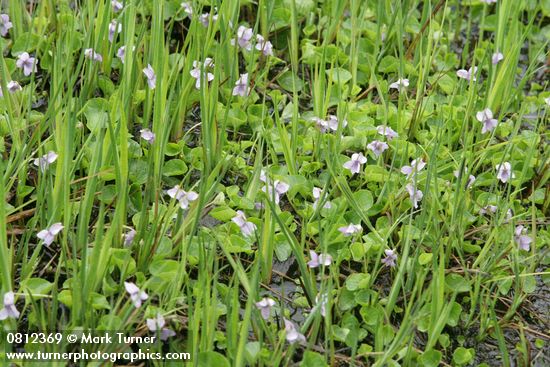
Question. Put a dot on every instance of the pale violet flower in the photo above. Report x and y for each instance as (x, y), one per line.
(292, 334)
(317, 196)
(208, 63)
(400, 84)
(136, 295)
(504, 172)
(157, 323)
(509, 215)
(182, 196)
(116, 5)
(280, 187)
(166, 333)
(27, 63)
(354, 164)
(322, 301)
(265, 305)
(147, 135)
(321, 124)
(416, 166)
(471, 178)
(263, 45)
(377, 147)
(151, 77)
(196, 72)
(9, 309)
(547, 101)
(244, 36)
(187, 199)
(497, 57)
(415, 195)
(13, 86)
(187, 8)
(390, 258)
(489, 1)
(92, 55)
(129, 237)
(332, 122)
(114, 28)
(350, 229)
(386, 131)
(48, 235)
(241, 86)
(276, 190)
(522, 240)
(486, 118)
(488, 209)
(5, 24)
(204, 19)
(247, 228)
(469, 74)
(317, 193)
(121, 52)
(44, 161)
(263, 176)
(319, 260)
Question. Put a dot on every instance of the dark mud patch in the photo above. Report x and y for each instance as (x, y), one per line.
(536, 312)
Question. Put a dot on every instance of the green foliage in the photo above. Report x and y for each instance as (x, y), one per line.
(210, 199)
